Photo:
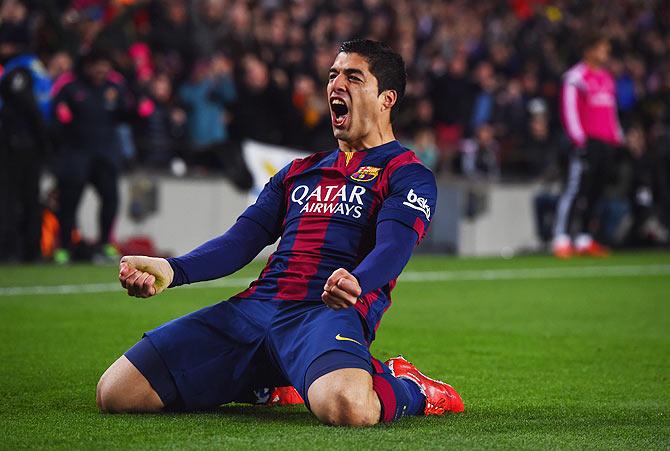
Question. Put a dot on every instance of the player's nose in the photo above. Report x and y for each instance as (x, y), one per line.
(339, 83)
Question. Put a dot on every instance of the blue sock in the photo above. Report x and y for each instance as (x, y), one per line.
(417, 401)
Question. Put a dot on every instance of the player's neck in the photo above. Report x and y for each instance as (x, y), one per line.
(374, 139)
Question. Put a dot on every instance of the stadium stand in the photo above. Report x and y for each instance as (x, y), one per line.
(482, 98)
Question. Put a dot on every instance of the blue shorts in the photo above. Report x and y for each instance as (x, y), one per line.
(224, 352)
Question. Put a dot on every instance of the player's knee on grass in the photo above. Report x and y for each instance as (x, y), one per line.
(122, 388)
(345, 398)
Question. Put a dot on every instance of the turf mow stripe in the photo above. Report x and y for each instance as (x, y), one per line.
(584, 272)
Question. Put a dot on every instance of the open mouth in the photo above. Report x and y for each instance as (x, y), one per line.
(340, 112)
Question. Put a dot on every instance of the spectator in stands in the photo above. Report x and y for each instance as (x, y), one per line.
(625, 90)
(24, 105)
(638, 185)
(207, 97)
(264, 111)
(209, 23)
(480, 155)
(315, 112)
(538, 152)
(511, 114)
(452, 93)
(416, 109)
(171, 31)
(162, 125)
(424, 146)
(58, 64)
(483, 108)
(88, 106)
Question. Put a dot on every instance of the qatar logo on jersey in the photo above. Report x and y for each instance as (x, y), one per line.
(417, 203)
(365, 174)
(330, 199)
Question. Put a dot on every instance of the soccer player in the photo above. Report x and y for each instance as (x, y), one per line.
(348, 221)
(589, 115)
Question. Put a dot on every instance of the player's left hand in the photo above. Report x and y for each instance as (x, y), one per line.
(341, 290)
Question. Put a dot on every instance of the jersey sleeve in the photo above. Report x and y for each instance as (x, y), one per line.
(393, 248)
(570, 109)
(222, 255)
(270, 206)
(412, 198)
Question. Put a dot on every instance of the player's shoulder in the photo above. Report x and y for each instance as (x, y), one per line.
(300, 165)
(575, 75)
(405, 163)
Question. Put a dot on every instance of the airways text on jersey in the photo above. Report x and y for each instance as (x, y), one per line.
(330, 199)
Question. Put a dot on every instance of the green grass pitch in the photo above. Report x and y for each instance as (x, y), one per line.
(546, 354)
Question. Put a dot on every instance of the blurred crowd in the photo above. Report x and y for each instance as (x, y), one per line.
(180, 83)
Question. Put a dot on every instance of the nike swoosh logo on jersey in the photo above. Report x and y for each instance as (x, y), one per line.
(341, 338)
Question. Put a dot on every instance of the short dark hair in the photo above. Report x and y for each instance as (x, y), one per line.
(386, 65)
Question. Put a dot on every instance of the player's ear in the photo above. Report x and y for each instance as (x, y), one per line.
(388, 99)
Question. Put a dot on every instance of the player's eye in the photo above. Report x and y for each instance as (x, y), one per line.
(353, 78)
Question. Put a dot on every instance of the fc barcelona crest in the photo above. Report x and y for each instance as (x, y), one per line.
(365, 173)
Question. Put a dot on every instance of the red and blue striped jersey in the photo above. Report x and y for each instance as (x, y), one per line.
(325, 209)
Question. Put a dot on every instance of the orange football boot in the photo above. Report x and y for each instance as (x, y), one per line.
(440, 397)
(562, 247)
(285, 396)
(594, 249)
(564, 252)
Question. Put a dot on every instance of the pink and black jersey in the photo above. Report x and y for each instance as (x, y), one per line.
(326, 208)
(588, 106)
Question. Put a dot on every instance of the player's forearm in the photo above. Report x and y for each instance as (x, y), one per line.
(393, 248)
(221, 256)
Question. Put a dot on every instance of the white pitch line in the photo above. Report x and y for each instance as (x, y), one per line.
(106, 287)
(584, 272)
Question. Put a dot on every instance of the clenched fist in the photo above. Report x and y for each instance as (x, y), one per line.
(144, 277)
(341, 290)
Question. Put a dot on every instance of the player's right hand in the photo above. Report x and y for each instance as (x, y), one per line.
(341, 290)
(144, 277)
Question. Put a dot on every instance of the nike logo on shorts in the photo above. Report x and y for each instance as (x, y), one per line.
(341, 338)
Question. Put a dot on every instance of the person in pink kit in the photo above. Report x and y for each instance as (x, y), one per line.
(589, 115)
